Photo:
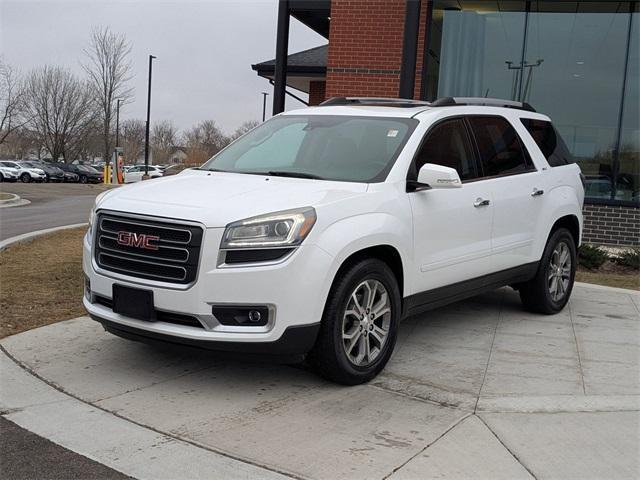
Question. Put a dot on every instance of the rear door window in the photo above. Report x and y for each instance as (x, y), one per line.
(549, 141)
(500, 148)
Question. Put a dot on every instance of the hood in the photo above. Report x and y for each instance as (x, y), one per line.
(217, 199)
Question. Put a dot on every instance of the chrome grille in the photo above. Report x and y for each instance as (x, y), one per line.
(171, 256)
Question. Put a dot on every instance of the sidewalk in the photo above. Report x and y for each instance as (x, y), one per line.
(479, 389)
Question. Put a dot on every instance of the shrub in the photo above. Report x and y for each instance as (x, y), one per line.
(592, 257)
(628, 258)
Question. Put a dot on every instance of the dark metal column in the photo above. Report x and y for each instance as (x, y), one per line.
(282, 46)
(426, 46)
(409, 49)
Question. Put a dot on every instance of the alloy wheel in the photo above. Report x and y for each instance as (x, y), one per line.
(559, 274)
(366, 323)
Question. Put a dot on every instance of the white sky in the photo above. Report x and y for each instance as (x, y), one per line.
(205, 49)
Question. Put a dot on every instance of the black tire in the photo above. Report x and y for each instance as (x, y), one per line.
(1, 177)
(83, 179)
(25, 177)
(536, 294)
(328, 355)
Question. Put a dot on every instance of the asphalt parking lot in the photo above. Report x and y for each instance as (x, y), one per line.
(479, 389)
(52, 205)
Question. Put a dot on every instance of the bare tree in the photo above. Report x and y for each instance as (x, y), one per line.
(61, 110)
(203, 141)
(163, 137)
(132, 132)
(244, 128)
(12, 106)
(109, 71)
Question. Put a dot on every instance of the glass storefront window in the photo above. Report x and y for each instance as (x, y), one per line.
(578, 82)
(571, 68)
(628, 179)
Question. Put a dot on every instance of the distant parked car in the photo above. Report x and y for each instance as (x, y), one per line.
(26, 173)
(8, 174)
(52, 173)
(135, 174)
(85, 173)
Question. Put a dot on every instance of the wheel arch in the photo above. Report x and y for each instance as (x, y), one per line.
(383, 252)
(571, 223)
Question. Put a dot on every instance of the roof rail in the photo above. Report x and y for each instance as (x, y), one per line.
(487, 102)
(372, 101)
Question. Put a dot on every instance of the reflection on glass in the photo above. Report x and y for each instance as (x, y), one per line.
(572, 69)
(478, 51)
(578, 84)
(628, 181)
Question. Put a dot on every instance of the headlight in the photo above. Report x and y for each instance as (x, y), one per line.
(287, 228)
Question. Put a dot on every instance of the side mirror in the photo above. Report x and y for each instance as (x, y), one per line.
(437, 176)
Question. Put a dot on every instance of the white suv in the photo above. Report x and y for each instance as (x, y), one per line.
(318, 231)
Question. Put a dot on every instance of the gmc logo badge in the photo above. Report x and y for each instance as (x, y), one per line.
(139, 240)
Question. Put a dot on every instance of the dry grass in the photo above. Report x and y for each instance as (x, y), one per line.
(41, 282)
(5, 196)
(629, 280)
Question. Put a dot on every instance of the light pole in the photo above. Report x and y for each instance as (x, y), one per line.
(146, 135)
(118, 122)
(264, 105)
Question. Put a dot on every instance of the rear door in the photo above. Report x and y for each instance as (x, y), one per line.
(516, 189)
(452, 226)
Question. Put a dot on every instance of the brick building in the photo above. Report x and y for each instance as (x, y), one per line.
(577, 61)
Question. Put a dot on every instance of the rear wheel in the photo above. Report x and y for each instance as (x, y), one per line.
(549, 291)
(1, 177)
(25, 178)
(83, 179)
(359, 324)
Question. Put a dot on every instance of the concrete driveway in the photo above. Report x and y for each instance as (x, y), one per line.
(479, 389)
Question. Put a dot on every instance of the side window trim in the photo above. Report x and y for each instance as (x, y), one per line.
(412, 172)
(527, 156)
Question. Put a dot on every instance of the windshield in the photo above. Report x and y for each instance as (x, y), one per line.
(344, 148)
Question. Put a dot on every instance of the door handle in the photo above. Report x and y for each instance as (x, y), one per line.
(536, 192)
(481, 202)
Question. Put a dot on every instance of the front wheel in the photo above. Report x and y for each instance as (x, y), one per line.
(84, 179)
(25, 178)
(359, 324)
(549, 291)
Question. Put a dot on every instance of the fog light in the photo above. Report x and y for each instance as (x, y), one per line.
(245, 316)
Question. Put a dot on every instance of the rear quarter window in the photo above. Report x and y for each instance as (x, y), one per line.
(549, 141)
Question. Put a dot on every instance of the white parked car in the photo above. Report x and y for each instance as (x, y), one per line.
(26, 173)
(318, 231)
(8, 174)
(135, 173)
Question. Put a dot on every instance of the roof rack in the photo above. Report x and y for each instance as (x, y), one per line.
(481, 101)
(441, 102)
(372, 101)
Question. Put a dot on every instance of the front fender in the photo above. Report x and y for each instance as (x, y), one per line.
(373, 229)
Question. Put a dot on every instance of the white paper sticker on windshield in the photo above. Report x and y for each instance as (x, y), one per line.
(392, 133)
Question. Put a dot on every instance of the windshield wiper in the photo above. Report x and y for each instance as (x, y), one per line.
(284, 173)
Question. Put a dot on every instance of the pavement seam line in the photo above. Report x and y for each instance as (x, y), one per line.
(529, 471)
(575, 339)
(428, 401)
(142, 425)
(455, 424)
(493, 340)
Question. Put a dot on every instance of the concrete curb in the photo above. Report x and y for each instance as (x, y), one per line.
(15, 201)
(31, 235)
(605, 288)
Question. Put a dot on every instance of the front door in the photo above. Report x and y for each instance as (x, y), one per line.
(452, 226)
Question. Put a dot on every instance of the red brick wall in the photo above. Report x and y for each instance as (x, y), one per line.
(365, 48)
(317, 92)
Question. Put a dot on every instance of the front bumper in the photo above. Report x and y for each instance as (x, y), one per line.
(295, 291)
